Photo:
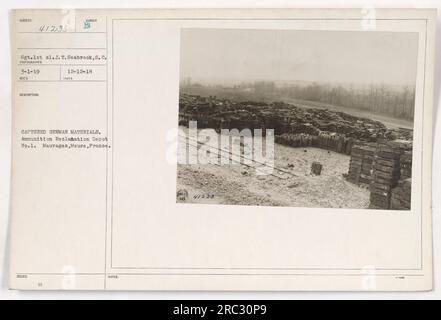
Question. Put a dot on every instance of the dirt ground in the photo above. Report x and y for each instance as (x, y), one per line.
(236, 184)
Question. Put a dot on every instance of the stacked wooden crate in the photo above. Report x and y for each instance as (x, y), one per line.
(386, 174)
(296, 140)
(325, 140)
(402, 194)
(406, 165)
(361, 164)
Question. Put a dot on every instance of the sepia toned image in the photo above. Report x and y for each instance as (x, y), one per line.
(320, 119)
(222, 150)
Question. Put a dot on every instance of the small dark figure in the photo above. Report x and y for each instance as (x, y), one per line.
(316, 168)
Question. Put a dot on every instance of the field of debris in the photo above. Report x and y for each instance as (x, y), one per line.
(291, 184)
(307, 137)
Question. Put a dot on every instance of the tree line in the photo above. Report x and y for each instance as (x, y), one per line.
(380, 99)
(396, 101)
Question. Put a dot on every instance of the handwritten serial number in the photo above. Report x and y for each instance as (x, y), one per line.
(207, 195)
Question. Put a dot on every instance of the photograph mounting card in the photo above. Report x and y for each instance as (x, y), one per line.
(222, 149)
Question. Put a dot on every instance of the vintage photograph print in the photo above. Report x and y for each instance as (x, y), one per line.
(320, 119)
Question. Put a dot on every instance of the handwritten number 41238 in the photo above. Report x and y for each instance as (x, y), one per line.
(199, 196)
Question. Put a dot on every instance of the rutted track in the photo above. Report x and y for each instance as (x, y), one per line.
(227, 154)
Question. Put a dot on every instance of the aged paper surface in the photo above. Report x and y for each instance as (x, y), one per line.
(222, 149)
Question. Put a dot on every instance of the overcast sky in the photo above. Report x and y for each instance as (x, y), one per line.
(363, 57)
